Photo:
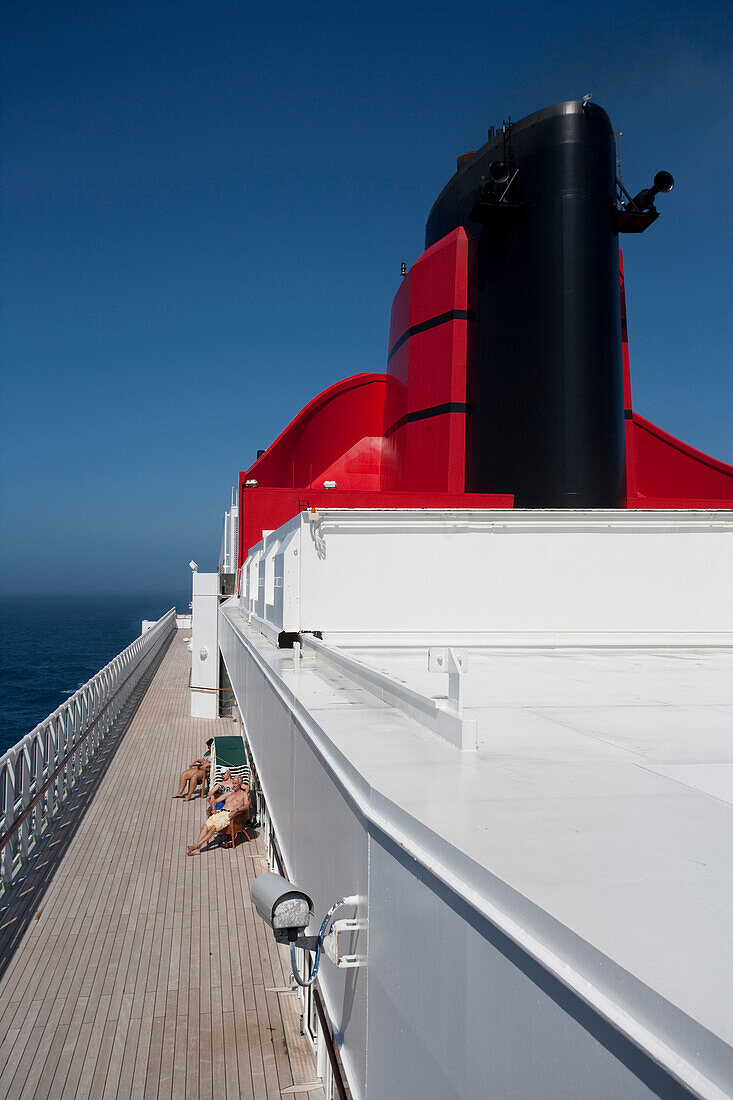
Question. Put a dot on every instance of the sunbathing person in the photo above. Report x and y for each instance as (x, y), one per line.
(219, 790)
(195, 774)
(236, 801)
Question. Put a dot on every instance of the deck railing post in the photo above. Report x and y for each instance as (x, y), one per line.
(25, 798)
(38, 779)
(52, 757)
(68, 725)
(60, 753)
(85, 724)
(8, 804)
(97, 737)
(77, 728)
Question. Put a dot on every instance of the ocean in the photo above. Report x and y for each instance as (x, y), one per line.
(51, 645)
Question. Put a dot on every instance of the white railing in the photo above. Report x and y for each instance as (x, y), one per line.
(38, 773)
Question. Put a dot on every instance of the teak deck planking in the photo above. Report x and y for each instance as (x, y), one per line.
(141, 972)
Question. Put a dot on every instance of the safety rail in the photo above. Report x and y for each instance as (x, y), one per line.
(37, 774)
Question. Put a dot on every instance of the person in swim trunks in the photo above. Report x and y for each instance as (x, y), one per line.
(235, 801)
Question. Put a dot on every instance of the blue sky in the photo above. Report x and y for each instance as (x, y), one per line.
(205, 207)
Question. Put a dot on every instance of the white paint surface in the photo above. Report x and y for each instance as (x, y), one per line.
(205, 668)
(594, 817)
(559, 806)
(576, 796)
(229, 539)
(513, 577)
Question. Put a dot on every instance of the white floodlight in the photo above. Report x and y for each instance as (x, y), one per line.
(288, 911)
(285, 908)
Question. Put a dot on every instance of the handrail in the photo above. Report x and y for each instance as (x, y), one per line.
(5, 838)
(38, 773)
(330, 1045)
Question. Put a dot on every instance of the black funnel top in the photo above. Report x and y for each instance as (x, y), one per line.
(544, 358)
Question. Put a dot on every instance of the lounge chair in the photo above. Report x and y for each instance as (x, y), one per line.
(230, 754)
(239, 824)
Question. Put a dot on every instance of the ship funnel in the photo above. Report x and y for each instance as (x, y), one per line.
(663, 184)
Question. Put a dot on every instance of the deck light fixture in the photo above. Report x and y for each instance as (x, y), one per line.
(288, 911)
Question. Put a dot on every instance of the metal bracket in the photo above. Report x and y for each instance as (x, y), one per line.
(333, 943)
(455, 663)
(315, 519)
(307, 943)
(302, 653)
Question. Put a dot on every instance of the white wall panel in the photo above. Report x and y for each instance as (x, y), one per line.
(520, 575)
(321, 835)
(205, 649)
(456, 1010)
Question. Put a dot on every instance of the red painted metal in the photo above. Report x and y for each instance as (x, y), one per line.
(428, 371)
(398, 440)
(336, 437)
(671, 474)
(661, 471)
(354, 434)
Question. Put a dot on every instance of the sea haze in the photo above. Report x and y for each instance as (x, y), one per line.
(54, 644)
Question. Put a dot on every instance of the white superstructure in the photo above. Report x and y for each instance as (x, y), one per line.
(507, 577)
(229, 538)
(542, 833)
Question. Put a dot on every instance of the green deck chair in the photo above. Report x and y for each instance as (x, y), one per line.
(229, 752)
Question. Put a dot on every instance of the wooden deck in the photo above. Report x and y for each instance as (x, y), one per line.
(128, 969)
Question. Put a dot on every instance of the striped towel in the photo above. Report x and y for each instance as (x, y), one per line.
(229, 753)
